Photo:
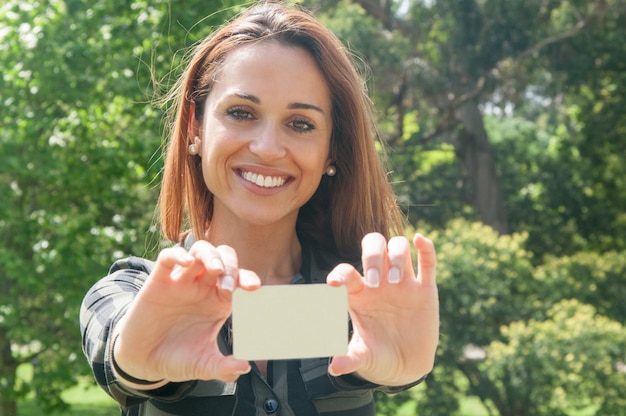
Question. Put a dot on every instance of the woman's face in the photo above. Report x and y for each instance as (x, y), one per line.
(265, 134)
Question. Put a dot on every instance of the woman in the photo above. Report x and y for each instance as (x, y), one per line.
(272, 166)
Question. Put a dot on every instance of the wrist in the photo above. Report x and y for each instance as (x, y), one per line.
(129, 380)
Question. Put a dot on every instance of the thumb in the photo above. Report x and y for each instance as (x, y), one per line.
(229, 369)
(343, 364)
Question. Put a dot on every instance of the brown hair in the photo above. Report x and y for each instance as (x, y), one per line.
(357, 200)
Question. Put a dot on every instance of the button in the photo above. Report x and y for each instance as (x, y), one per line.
(270, 405)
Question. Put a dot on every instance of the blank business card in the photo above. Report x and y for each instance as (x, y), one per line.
(290, 322)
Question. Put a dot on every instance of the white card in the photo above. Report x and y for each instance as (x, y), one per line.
(290, 322)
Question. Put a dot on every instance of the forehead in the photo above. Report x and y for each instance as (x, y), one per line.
(272, 70)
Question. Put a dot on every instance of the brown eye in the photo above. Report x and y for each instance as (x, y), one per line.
(239, 113)
(302, 125)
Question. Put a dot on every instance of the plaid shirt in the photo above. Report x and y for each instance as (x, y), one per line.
(292, 387)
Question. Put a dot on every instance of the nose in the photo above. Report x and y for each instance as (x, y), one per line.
(267, 142)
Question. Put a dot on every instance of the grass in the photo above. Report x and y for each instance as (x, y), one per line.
(470, 406)
(85, 399)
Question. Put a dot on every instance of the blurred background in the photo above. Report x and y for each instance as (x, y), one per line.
(504, 124)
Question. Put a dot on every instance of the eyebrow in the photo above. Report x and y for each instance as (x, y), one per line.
(291, 106)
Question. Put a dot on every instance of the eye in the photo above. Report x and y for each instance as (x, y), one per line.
(301, 125)
(239, 113)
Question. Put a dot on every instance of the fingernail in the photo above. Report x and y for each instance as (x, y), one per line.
(228, 283)
(217, 264)
(177, 272)
(334, 278)
(187, 257)
(394, 275)
(248, 279)
(372, 278)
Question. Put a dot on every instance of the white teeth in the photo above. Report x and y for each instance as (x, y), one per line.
(263, 181)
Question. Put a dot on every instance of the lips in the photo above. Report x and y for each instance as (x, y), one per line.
(263, 181)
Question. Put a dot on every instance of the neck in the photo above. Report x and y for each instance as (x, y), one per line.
(272, 252)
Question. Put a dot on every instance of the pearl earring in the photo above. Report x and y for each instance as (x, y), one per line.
(193, 147)
(331, 170)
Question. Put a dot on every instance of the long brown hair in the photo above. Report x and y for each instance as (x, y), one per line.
(357, 200)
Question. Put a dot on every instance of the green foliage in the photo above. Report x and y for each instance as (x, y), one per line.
(389, 404)
(442, 394)
(565, 199)
(595, 279)
(593, 66)
(540, 175)
(571, 360)
(485, 280)
(505, 327)
(523, 57)
(429, 184)
(78, 165)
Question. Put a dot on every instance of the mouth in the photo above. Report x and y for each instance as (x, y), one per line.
(263, 181)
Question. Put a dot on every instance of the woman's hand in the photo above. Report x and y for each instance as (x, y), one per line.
(395, 314)
(170, 331)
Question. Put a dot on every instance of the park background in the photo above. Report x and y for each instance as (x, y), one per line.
(504, 123)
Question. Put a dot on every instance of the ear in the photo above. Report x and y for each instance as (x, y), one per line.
(192, 124)
(194, 130)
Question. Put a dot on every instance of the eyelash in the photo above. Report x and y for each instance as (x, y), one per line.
(241, 114)
(308, 126)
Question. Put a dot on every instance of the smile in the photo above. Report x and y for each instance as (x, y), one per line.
(263, 181)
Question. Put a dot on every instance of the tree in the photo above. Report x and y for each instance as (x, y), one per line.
(459, 58)
(79, 166)
(526, 340)
(569, 361)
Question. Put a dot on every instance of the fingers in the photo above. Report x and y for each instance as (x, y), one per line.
(228, 259)
(400, 265)
(345, 274)
(171, 257)
(427, 260)
(212, 265)
(170, 262)
(386, 262)
(374, 258)
(390, 262)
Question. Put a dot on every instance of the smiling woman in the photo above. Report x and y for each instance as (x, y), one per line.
(271, 177)
(267, 118)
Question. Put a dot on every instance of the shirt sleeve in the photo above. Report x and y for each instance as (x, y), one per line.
(103, 306)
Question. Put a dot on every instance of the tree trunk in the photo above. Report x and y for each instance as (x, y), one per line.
(479, 160)
(8, 369)
(8, 408)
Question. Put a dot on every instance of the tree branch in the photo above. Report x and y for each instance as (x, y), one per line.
(381, 11)
(30, 357)
(600, 9)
